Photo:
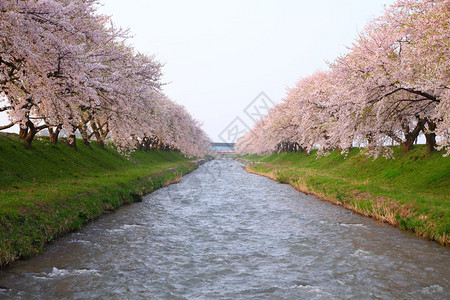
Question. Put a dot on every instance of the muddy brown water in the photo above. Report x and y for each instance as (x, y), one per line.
(225, 234)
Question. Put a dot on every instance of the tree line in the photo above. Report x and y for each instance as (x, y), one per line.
(391, 87)
(64, 66)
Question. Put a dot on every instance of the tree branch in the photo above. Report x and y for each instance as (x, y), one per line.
(413, 91)
(7, 126)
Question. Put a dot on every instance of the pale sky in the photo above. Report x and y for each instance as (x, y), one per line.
(219, 55)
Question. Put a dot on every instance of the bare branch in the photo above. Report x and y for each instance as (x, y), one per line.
(7, 126)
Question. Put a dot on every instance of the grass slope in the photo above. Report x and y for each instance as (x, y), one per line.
(411, 191)
(51, 189)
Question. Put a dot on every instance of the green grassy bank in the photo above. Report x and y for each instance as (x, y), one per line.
(51, 189)
(411, 191)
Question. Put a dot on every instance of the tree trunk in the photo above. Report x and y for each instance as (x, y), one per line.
(431, 142)
(86, 141)
(27, 134)
(99, 139)
(84, 135)
(407, 145)
(85, 138)
(72, 140)
(101, 143)
(430, 137)
(54, 134)
(97, 135)
(30, 136)
(411, 136)
(23, 132)
(291, 147)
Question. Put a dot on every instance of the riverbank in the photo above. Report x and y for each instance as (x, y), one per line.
(411, 191)
(50, 190)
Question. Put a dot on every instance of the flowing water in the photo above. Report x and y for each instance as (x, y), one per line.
(223, 233)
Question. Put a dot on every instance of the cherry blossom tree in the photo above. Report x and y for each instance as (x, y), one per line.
(392, 86)
(399, 65)
(64, 67)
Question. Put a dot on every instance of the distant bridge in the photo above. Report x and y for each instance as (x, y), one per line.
(222, 148)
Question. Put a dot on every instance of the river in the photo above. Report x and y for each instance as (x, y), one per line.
(225, 234)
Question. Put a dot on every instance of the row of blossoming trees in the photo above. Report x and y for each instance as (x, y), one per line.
(65, 67)
(391, 87)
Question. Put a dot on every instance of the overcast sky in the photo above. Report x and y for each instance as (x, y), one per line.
(219, 55)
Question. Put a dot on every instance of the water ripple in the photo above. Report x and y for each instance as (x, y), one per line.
(223, 233)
